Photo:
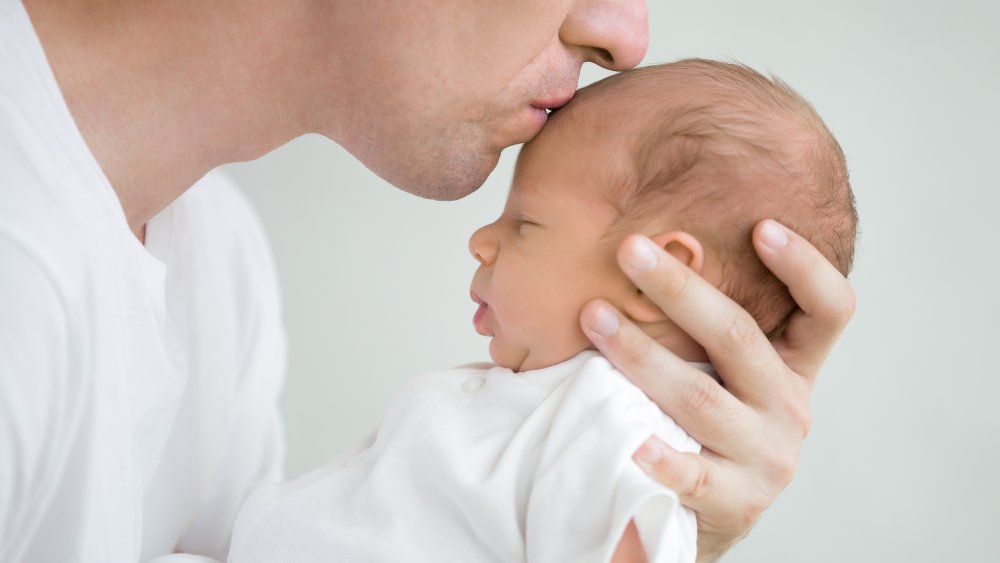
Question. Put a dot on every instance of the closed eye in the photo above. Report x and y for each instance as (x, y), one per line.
(525, 222)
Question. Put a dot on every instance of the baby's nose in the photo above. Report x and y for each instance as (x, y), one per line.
(483, 246)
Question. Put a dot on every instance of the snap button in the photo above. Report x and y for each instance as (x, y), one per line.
(473, 383)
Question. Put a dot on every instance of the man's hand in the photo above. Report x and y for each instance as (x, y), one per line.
(752, 428)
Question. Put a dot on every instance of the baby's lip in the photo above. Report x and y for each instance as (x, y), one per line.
(477, 317)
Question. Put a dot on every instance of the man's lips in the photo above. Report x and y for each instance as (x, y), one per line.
(553, 101)
(534, 116)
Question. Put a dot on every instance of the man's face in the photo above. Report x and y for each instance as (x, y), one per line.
(439, 87)
(547, 255)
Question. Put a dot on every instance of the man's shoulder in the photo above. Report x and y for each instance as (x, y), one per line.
(218, 213)
(216, 193)
(37, 225)
(19, 168)
(223, 237)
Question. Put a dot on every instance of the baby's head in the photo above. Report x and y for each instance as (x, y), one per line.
(692, 154)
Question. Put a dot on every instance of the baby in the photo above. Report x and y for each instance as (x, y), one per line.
(530, 458)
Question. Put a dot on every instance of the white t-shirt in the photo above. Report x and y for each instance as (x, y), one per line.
(138, 384)
(483, 464)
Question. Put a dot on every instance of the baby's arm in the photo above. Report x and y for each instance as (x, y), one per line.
(630, 549)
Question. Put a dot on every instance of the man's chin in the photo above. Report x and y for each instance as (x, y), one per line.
(451, 191)
(450, 182)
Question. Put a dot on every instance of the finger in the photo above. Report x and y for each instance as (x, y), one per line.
(706, 410)
(726, 510)
(824, 296)
(740, 352)
(689, 475)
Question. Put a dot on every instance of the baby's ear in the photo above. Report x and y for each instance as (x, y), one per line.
(686, 249)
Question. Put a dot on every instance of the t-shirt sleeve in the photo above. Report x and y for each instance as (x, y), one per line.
(40, 404)
(252, 450)
(252, 446)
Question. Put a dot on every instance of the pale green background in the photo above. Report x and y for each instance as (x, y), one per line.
(903, 461)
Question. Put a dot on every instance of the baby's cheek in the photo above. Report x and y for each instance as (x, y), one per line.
(557, 345)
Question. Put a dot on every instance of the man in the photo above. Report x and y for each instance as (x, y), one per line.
(140, 344)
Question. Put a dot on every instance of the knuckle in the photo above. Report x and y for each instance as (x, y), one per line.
(702, 395)
(675, 282)
(801, 417)
(752, 510)
(740, 334)
(841, 310)
(635, 347)
(848, 306)
(805, 423)
(781, 468)
(795, 411)
(702, 483)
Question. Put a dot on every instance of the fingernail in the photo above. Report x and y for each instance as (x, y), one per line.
(649, 453)
(773, 235)
(605, 322)
(642, 255)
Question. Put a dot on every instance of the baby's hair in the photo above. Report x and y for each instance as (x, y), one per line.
(730, 148)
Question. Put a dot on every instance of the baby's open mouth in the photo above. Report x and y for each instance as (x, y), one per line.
(478, 316)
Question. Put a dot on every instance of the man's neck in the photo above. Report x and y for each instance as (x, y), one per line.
(163, 92)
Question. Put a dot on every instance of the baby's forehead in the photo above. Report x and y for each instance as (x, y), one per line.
(629, 99)
(615, 121)
(600, 137)
(601, 115)
(580, 153)
(604, 126)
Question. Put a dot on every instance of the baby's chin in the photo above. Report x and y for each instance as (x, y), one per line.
(507, 356)
(518, 359)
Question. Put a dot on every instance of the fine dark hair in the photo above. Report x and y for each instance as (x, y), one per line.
(721, 148)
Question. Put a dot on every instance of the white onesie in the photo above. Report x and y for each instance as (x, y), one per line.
(479, 463)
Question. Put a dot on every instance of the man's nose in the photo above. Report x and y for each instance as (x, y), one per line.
(484, 246)
(614, 32)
